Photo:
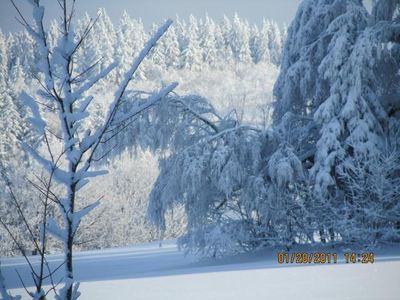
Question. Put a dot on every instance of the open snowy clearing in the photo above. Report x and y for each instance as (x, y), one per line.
(149, 272)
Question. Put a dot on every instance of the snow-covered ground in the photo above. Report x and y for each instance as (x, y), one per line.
(149, 272)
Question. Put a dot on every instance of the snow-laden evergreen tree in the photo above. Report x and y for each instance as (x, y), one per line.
(330, 151)
(226, 28)
(355, 134)
(299, 88)
(5, 103)
(191, 52)
(180, 30)
(10, 156)
(11, 123)
(371, 213)
(275, 43)
(158, 54)
(17, 76)
(104, 29)
(97, 51)
(14, 130)
(208, 43)
(254, 44)
(86, 52)
(130, 39)
(224, 51)
(23, 49)
(171, 47)
(340, 78)
(283, 36)
(263, 45)
(223, 41)
(4, 58)
(239, 39)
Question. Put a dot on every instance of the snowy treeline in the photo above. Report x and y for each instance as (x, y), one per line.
(190, 44)
(326, 171)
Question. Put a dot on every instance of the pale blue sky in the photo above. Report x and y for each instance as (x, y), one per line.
(282, 11)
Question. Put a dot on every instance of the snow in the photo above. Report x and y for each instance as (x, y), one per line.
(148, 272)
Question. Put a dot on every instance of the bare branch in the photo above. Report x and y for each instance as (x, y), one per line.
(20, 248)
(19, 209)
(23, 284)
(19, 13)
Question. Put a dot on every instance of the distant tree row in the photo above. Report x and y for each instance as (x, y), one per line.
(189, 44)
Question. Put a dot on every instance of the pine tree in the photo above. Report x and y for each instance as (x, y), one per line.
(275, 43)
(340, 78)
(355, 118)
(130, 38)
(158, 55)
(4, 58)
(17, 76)
(11, 127)
(97, 51)
(341, 109)
(299, 89)
(172, 51)
(262, 44)
(180, 29)
(239, 39)
(223, 38)
(253, 43)
(23, 49)
(208, 43)
(104, 28)
(191, 54)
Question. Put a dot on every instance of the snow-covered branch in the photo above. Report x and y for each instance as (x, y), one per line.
(69, 100)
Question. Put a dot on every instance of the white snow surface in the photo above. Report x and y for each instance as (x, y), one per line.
(150, 272)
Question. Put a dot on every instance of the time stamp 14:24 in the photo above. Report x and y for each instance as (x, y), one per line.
(324, 258)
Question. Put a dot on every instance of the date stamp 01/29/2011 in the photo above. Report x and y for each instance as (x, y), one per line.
(324, 257)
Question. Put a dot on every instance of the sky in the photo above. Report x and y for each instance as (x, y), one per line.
(155, 11)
